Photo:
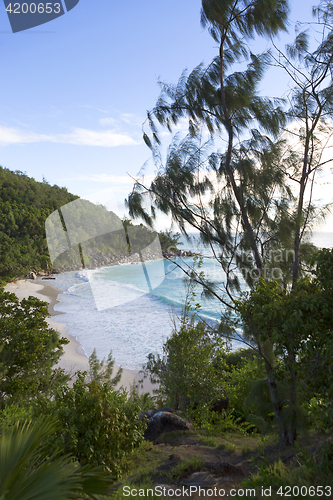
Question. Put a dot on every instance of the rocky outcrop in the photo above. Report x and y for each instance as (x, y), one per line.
(201, 479)
(164, 421)
(32, 275)
(179, 253)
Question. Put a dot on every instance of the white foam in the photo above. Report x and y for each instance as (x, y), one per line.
(131, 331)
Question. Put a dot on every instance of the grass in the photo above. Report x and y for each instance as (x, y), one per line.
(230, 447)
(307, 477)
(233, 442)
(143, 459)
(211, 441)
(169, 436)
(185, 468)
(265, 462)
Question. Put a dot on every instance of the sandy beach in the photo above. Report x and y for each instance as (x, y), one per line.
(73, 358)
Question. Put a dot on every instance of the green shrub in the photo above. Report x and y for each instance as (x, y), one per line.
(211, 421)
(29, 349)
(239, 382)
(12, 414)
(102, 371)
(187, 372)
(310, 471)
(99, 424)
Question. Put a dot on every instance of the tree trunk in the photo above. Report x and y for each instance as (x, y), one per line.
(277, 406)
(292, 427)
(236, 189)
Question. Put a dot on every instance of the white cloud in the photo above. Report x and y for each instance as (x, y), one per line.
(131, 119)
(107, 121)
(16, 136)
(106, 138)
(78, 136)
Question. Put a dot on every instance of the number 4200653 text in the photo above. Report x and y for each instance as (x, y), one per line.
(34, 8)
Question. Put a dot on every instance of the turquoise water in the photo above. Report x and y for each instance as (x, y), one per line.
(173, 289)
(136, 322)
(116, 308)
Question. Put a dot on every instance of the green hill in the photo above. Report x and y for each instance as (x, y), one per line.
(24, 206)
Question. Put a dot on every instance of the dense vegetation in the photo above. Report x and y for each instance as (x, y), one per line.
(29, 349)
(197, 367)
(94, 425)
(244, 178)
(24, 206)
(57, 440)
(282, 384)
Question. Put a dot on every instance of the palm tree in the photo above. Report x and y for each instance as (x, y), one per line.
(28, 471)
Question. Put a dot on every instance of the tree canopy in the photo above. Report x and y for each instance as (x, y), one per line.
(24, 206)
(236, 177)
(29, 350)
(244, 174)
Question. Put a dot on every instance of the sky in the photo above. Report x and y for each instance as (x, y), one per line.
(75, 91)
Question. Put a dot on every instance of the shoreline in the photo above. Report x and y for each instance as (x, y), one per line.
(74, 358)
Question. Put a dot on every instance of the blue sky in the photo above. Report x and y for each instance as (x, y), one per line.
(74, 92)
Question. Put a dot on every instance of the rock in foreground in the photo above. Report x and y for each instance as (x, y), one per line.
(164, 421)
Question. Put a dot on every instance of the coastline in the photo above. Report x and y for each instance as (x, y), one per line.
(74, 358)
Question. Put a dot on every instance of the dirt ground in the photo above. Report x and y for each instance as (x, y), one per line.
(183, 459)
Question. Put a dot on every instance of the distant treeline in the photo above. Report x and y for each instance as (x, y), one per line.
(25, 204)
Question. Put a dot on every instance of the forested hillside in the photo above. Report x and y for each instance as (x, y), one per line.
(24, 206)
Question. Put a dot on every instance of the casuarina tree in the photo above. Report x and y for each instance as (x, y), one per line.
(237, 177)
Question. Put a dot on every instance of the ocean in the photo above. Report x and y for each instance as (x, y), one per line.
(112, 309)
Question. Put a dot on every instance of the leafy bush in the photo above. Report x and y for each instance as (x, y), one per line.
(212, 421)
(28, 350)
(292, 330)
(187, 372)
(143, 401)
(317, 410)
(240, 380)
(98, 424)
(12, 414)
(102, 371)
